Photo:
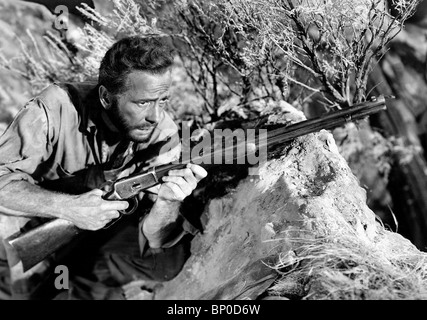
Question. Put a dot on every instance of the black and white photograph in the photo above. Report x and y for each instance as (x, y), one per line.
(243, 153)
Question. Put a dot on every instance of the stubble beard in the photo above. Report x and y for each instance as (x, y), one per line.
(124, 127)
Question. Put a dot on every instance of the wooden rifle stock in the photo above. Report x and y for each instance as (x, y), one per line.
(39, 243)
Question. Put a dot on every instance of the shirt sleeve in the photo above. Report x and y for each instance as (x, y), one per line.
(172, 238)
(25, 144)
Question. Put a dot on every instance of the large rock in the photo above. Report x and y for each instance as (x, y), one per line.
(301, 230)
(307, 193)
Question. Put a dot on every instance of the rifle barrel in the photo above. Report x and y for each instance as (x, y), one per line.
(283, 135)
(328, 121)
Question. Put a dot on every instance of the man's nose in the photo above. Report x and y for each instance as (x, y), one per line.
(154, 113)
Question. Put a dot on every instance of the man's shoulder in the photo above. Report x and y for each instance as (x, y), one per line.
(59, 93)
(52, 92)
(64, 103)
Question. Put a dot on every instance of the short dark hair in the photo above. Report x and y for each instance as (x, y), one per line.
(152, 54)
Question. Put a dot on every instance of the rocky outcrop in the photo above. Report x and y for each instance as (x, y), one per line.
(305, 197)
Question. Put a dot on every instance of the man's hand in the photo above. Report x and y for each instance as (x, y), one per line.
(179, 184)
(90, 211)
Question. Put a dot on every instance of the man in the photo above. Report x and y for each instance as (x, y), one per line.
(68, 142)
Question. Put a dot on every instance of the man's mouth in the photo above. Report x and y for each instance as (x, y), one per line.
(146, 129)
(141, 134)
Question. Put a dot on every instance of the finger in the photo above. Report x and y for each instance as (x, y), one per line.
(115, 205)
(187, 174)
(108, 216)
(198, 171)
(114, 214)
(177, 193)
(181, 183)
(190, 178)
(97, 225)
(179, 172)
(103, 224)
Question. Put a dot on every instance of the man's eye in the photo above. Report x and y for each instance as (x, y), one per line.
(144, 104)
(163, 102)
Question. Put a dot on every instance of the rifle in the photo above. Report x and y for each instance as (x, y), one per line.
(39, 243)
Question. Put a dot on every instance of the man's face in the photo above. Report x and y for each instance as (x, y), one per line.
(137, 111)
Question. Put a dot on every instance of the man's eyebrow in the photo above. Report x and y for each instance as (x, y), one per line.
(143, 100)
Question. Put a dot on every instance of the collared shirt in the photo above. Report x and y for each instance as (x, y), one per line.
(58, 141)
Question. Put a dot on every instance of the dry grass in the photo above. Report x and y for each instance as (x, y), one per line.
(349, 268)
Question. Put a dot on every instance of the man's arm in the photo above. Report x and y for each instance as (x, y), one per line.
(86, 211)
(27, 143)
(164, 214)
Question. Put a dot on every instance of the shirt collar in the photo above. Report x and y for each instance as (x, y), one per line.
(85, 97)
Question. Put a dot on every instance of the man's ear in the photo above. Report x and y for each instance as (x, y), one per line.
(104, 97)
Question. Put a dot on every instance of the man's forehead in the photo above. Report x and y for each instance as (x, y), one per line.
(146, 83)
